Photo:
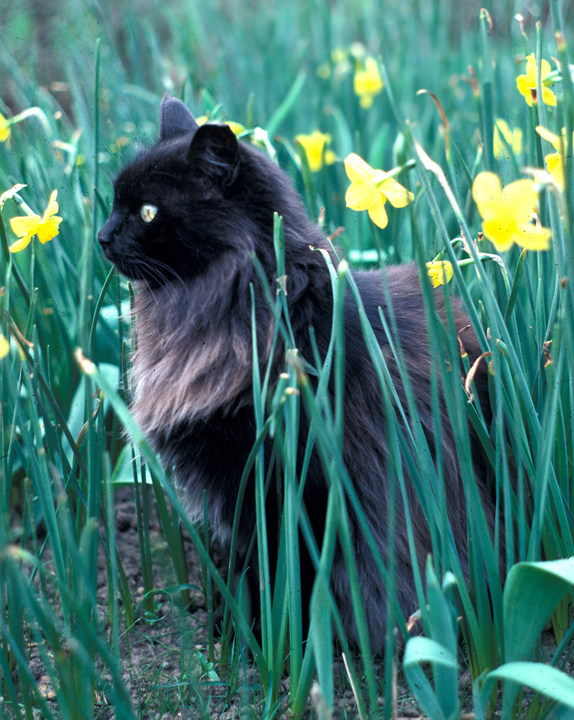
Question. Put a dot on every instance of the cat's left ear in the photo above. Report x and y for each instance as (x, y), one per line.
(214, 152)
(174, 119)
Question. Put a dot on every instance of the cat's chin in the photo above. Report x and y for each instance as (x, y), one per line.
(124, 269)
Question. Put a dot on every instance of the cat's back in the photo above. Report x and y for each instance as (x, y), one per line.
(397, 291)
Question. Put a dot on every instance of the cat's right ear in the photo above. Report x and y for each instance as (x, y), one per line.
(174, 119)
(214, 152)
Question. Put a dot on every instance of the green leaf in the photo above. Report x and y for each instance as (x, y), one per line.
(532, 592)
(544, 679)
(417, 651)
(287, 105)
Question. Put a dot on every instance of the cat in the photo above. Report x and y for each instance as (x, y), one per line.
(187, 215)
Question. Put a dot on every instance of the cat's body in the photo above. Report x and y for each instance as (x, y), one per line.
(212, 201)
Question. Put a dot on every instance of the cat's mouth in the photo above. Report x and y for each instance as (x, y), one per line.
(126, 269)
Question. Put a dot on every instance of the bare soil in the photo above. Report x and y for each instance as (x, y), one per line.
(165, 655)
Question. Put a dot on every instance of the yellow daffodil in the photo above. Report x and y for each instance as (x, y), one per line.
(370, 189)
(507, 213)
(235, 127)
(368, 82)
(555, 161)
(4, 129)
(45, 227)
(4, 347)
(440, 272)
(526, 84)
(315, 147)
(512, 137)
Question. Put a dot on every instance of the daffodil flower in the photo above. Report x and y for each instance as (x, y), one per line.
(315, 149)
(440, 272)
(368, 82)
(512, 137)
(507, 213)
(4, 129)
(526, 84)
(555, 161)
(235, 127)
(370, 189)
(45, 227)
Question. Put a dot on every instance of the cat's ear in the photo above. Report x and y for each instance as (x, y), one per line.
(174, 119)
(214, 152)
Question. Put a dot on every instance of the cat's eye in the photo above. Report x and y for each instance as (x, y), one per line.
(148, 212)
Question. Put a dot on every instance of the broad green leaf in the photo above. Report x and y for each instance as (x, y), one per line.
(417, 651)
(532, 592)
(544, 679)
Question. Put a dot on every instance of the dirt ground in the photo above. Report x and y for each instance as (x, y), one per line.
(165, 662)
(175, 647)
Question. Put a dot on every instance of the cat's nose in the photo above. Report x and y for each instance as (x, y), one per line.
(106, 234)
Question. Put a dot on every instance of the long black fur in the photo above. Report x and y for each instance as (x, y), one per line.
(192, 369)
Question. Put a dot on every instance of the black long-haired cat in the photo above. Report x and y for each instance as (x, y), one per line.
(187, 215)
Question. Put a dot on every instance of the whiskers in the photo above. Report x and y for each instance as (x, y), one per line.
(158, 272)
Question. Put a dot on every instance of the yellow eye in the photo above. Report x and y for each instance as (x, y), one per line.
(148, 212)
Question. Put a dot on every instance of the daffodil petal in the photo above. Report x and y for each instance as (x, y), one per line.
(532, 237)
(500, 235)
(440, 272)
(378, 214)
(26, 225)
(486, 190)
(313, 145)
(361, 195)
(330, 157)
(368, 82)
(49, 229)
(519, 200)
(548, 97)
(52, 208)
(545, 68)
(235, 127)
(556, 169)
(523, 85)
(550, 137)
(395, 193)
(357, 169)
(20, 244)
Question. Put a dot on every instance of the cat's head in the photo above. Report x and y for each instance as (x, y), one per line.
(195, 196)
